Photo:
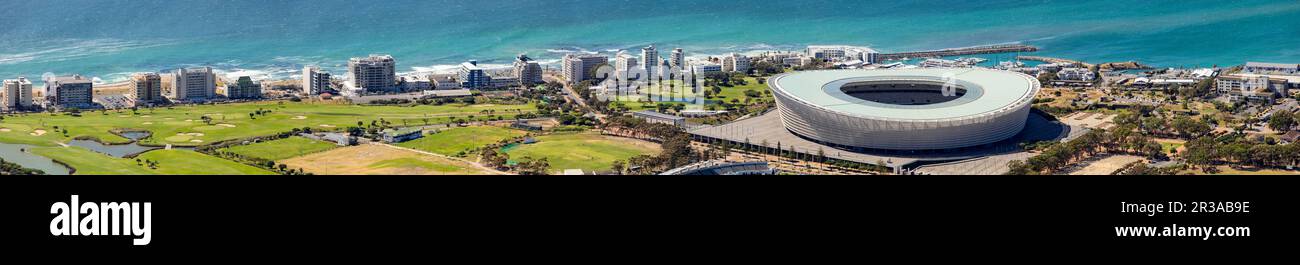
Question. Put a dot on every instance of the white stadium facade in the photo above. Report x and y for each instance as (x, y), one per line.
(904, 109)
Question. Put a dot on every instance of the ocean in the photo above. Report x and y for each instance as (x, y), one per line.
(109, 39)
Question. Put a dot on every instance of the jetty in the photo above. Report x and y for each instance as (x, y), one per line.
(987, 49)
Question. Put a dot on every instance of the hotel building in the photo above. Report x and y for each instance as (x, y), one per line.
(193, 84)
(146, 88)
(677, 59)
(472, 76)
(69, 92)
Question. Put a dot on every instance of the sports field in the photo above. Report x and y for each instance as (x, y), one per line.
(467, 139)
(185, 125)
(373, 159)
(586, 151)
(169, 162)
(282, 148)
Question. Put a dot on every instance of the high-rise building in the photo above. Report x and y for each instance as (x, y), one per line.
(528, 71)
(625, 65)
(17, 94)
(677, 59)
(472, 76)
(69, 92)
(376, 73)
(146, 88)
(193, 84)
(735, 63)
(314, 81)
(650, 60)
(577, 68)
(243, 88)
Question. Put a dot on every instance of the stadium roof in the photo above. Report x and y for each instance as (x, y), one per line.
(988, 91)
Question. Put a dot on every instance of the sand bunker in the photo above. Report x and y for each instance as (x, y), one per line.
(226, 125)
(190, 134)
(327, 126)
(145, 116)
(196, 141)
(5, 130)
(189, 120)
(38, 132)
(300, 117)
(147, 123)
(122, 116)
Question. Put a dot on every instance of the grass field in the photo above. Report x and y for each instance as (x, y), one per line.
(379, 160)
(183, 125)
(170, 162)
(586, 151)
(449, 142)
(663, 92)
(738, 92)
(282, 148)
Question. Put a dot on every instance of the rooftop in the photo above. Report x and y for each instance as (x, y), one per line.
(987, 91)
(1275, 65)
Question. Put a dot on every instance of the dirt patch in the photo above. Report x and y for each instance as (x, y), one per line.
(378, 160)
(1105, 166)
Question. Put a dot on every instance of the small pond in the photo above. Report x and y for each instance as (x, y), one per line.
(14, 153)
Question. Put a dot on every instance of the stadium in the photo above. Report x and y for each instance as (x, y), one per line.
(904, 109)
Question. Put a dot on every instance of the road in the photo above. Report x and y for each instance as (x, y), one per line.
(572, 96)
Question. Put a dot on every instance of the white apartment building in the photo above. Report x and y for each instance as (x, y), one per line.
(735, 63)
(843, 52)
(17, 94)
(576, 67)
(626, 66)
(314, 81)
(1075, 74)
(1260, 88)
(702, 67)
(376, 73)
(650, 60)
(677, 59)
(528, 71)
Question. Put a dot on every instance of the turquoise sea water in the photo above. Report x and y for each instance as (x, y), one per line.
(111, 38)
